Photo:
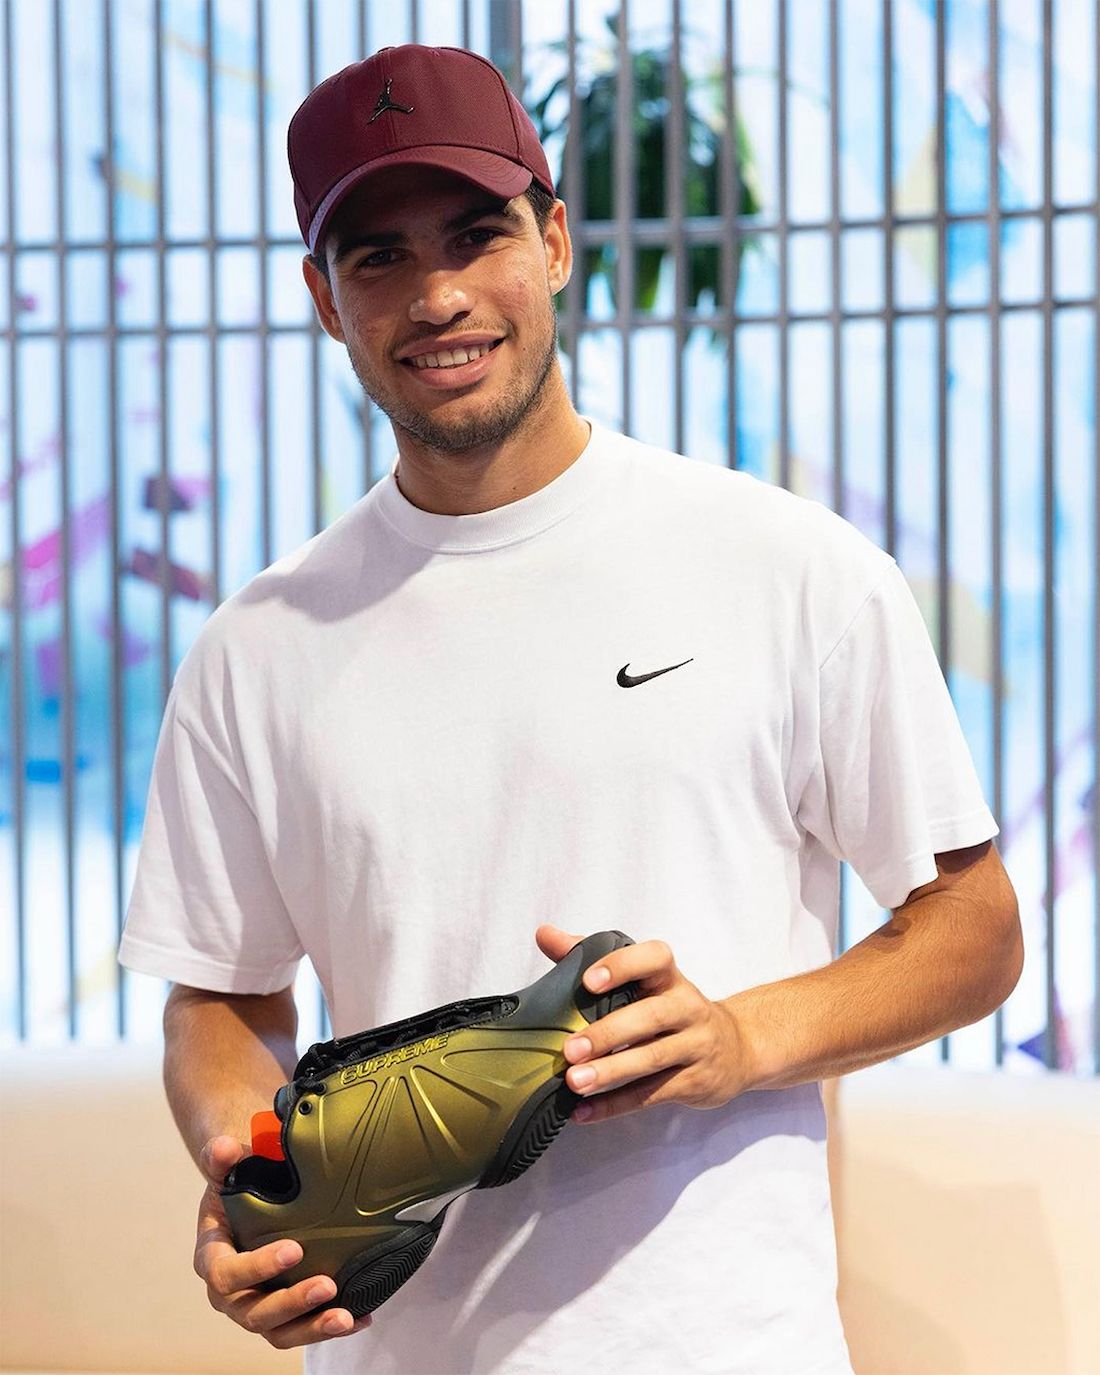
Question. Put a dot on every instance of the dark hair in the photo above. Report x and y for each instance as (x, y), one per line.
(539, 199)
(541, 203)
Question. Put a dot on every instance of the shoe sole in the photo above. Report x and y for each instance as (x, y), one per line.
(416, 1105)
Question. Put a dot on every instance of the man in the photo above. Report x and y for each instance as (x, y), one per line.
(543, 673)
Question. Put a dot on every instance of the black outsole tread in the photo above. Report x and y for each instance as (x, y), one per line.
(369, 1286)
(543, 1127)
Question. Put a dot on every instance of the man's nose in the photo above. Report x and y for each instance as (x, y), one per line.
(441, 298)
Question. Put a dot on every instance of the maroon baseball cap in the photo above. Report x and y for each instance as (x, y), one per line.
(439, 107)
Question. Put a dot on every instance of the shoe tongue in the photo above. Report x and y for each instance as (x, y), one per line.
(267, 1134)
(282, 1103)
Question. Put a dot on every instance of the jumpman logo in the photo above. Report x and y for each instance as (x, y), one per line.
(384, 103)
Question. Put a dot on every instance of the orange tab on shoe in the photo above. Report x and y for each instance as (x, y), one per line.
(267, 1135)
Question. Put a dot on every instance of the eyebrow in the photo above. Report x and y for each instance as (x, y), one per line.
(390, 238)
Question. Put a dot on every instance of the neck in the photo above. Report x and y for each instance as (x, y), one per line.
(550, 438)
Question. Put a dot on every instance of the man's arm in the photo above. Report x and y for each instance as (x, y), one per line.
(948, 956)
(225, 1056)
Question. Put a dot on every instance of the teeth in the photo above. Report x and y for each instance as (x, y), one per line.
(451, 358)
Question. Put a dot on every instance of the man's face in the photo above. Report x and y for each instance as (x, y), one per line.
(422, 263)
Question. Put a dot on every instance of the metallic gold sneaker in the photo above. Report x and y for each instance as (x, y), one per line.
(380, 1132)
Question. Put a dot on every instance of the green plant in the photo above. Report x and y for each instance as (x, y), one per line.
(701, 170)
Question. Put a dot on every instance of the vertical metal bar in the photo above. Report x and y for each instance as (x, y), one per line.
(212, 307)
(995, 443)
(502, 38)
(943, 545)
(837, 340)
(315, 361)
(162, 356)
(365, 405)
(624, 217)
(263, 327)
(315, 367)
(730, 188)
(68, 724)
(574, 199)
(465, 23)
(314, 324)
(118, 713)
(18, 723)
(262, 332)
(835, 259)
(781, 245)
(516, 15)
(675, 150)
(1096, 562)
(1050, 1038)
(414, 26)
(889, 409)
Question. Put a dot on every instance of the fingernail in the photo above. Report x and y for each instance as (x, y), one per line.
(335, 1322)
(596, 978)
(583, 1111)
(578, 1048)
(581, 1078)
(319, 1293)
(289, 1254)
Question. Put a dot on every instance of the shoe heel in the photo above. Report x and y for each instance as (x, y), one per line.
(366, 1281)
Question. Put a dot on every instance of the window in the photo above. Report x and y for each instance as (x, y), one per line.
(857, 251)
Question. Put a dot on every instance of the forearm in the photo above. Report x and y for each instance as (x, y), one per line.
(224, 1058)
(933, 967)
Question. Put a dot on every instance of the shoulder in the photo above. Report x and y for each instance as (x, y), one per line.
(258, 631)
(762, 523)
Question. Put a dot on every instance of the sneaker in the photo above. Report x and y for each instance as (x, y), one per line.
(380, 1132)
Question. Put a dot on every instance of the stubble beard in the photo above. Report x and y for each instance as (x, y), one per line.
(505, 417)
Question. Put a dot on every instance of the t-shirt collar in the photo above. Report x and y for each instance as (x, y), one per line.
(517, 520)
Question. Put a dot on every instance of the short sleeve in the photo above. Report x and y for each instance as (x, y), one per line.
(893, 783)
(205, 909)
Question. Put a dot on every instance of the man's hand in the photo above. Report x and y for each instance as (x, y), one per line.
(949, 955)
(280, 1317)
(672, 1046)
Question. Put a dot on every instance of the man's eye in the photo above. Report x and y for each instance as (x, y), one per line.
(381, 257)
(480, 235)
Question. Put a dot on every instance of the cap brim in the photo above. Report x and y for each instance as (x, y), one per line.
(490, 171)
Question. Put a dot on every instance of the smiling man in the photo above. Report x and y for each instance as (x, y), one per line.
(543, 672)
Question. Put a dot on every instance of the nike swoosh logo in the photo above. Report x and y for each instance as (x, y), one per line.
(625, 679)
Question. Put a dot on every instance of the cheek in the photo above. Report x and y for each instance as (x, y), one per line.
(523, 297)
(362, 328)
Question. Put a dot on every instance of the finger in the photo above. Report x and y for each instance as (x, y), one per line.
(215, 1243)
(554, 943)
(625, 1066)
(218, 1157)
(645, 1093)
(317, 1327)
(264, 1312)
(227, 1271)
(213, 1237)
(649, 963)
(630, 1025)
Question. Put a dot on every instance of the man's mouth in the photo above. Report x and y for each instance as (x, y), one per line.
(451, 358)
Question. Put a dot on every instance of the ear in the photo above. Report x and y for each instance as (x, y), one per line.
(559, 248)
(321, 291)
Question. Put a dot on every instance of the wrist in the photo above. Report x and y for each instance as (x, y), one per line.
(757, 1061)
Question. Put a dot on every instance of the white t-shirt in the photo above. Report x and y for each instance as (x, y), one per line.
(401, 748)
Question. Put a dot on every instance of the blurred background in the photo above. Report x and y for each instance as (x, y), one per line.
(847, 245)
